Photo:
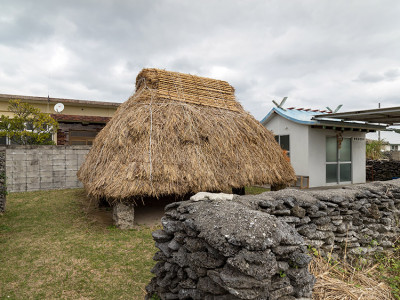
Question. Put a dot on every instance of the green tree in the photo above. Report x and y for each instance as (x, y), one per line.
(28, 126)
(373, 149)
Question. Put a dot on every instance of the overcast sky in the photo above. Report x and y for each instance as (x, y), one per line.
(318, 53)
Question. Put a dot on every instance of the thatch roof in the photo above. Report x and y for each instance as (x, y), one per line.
(181, 134)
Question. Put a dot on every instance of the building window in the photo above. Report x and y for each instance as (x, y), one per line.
(283, 141)
(82, 137)
(29, 126)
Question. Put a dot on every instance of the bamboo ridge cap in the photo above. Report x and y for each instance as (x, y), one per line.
(189, 88)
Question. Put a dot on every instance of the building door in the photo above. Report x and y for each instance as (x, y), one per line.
(338, 160)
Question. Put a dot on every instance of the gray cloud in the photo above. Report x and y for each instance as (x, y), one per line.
(368, 77)
(392, 74)
(317, 53)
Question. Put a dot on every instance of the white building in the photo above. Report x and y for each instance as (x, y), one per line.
(329, 152)
(391, 138)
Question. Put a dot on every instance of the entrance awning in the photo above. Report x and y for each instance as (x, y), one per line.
(389, 116)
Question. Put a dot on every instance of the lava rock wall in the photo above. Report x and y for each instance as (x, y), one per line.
(255, 247)
(359, 219)
(382, 169)
(221, 249)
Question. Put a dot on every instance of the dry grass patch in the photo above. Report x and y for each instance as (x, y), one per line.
(343, 281)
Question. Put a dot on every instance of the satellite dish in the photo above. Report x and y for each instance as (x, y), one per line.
(59, 107)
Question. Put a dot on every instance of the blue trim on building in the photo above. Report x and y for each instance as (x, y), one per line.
(297, 116)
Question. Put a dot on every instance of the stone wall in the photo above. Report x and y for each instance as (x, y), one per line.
(382, 169)
(254, 247)
(361, 218)
(220, 249)
(32, 168)
(3, 183)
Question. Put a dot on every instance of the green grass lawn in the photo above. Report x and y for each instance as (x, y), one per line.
(50, 248)
(255, 190)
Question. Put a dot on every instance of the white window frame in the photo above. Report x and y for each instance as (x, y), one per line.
(338, 162)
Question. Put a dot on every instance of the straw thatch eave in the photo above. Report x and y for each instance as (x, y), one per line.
(171, 139)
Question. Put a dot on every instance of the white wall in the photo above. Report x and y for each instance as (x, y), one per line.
(317, 155)
(298, 140)
(358, 156)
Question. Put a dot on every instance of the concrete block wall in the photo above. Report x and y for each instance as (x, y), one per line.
(3, 187)
(33, 168)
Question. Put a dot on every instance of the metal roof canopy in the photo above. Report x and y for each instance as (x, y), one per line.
(389, 116)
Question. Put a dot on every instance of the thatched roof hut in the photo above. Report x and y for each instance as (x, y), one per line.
(181, 134)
